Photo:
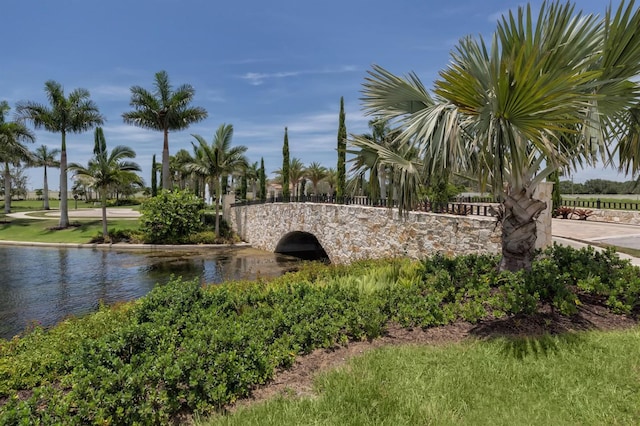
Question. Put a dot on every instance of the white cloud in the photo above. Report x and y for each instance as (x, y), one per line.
(256, 79)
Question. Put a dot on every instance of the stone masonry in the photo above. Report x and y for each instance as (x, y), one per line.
(349, 233)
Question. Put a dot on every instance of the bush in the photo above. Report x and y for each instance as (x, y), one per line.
(171, 217)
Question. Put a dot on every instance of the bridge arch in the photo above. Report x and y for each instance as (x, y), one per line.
(303, 245)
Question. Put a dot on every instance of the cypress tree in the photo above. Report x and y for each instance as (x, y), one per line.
(263, 181)
(154, 177)
(341, 180)
(285, 167)
(243, 186)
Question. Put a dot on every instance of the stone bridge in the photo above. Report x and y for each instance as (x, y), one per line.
(344, 233)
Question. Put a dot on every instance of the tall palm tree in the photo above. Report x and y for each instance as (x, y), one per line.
(315, 172)
(45, 157)
(106, 170)
(12, 149)
(548, 93)
(165, 110)
(217, 160)
(296, 173)
(331, 178)
(76, 113)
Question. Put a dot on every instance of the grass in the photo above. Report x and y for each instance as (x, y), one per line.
(587, 378)
(39, 230)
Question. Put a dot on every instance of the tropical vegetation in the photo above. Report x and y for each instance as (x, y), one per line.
(13, 135)
(75, 113)
(217, 161)
(45, 157)
(106, 170)
(163, 109)
(547, 92)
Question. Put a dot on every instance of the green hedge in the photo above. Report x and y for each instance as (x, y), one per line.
(185, 348)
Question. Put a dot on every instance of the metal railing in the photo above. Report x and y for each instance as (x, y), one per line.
(456, 208)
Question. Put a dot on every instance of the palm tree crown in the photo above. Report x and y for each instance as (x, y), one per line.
(163, 109)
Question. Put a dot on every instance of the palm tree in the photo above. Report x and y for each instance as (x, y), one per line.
(76, 113)
(315, 173)
(217, 160)
(45, 157)
(331, 178)
(163, 110)
(12, 150)
(547, 94)
(106, 170)
(296, 172)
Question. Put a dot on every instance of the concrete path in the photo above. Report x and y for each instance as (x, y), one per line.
(112, 213)
(579, 233)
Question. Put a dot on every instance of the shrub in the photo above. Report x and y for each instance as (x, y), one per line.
(171, 217)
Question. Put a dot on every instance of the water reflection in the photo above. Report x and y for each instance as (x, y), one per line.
(48, 284)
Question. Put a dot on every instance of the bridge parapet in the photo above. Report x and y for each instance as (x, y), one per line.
(351, 232)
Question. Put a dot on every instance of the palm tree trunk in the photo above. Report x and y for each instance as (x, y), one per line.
(166, 174)
(64, 209)
(7, 188)
(46, 190)
(105, 231)
(382, 181)
(218, 192)
(519, 214)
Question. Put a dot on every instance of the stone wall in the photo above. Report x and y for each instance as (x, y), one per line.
(349, 233)
(612, 216)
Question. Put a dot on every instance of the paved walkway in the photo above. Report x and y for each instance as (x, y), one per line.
(579, 233)
(112, 213)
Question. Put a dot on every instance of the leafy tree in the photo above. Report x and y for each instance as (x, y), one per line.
(171, 217)
(12, 148)
(218, 160)
(76, 113)
(106, 170)
(342, 153)
(285, 167)
(45, 157)
(244, 184)
(263, 180)
(164, 110)
(548, 93)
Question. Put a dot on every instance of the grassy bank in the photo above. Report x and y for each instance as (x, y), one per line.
(585, 378)
(38, 230)
(185, 348)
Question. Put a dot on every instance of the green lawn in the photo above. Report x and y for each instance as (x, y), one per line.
(576, 379)
(37, 230)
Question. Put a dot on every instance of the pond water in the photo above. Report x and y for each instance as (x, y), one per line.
(46, 285)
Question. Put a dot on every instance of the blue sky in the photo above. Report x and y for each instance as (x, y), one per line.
(259, 65)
